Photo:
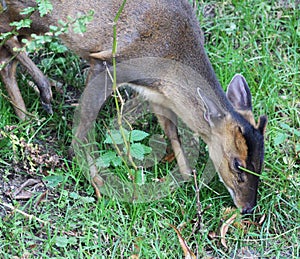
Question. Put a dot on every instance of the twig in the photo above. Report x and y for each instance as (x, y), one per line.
(16, 105)
(198, 223)
(199, 206)
(30, 217)
(26, 215)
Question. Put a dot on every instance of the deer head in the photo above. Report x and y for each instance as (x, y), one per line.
(236, 144)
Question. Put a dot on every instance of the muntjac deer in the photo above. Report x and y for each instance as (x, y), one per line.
(164, 37)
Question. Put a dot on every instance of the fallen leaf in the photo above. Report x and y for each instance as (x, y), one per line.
(245, 223)
(169, 158)
(212, 235)
(24, 195)
(262, 219)
(29, 182)
(40, 199)
(188, 254)
(224, 229)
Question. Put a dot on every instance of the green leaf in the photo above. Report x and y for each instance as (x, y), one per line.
(88, 199)
(25, 23)
(115, 137)
(61, 241)
(138, 135)
(44, 7)
(57, 47)
(137, 151)
(53, 180)
(296, 132)
(106, 159)
(290, 129)
(4, 142)
(101, 162)
(81, 22)
(6, 35)
(72, 240)
(280, 138)
(117, 161)
(147, 149)
(27, 10)
(74, 195)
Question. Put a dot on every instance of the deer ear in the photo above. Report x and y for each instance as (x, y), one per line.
(213, 112)
(238, 93)
(262, 124)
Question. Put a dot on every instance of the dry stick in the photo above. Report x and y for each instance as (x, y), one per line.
(16, 105)
(30, 217)
(24, 213)
(199, 206)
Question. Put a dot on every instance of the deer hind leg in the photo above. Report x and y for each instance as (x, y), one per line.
(8, 75)
(168, 121)
(92, 99)
(94, 96)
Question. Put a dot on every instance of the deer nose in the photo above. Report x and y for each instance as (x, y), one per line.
(247, 210)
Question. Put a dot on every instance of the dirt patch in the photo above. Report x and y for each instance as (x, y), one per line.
(21, 176)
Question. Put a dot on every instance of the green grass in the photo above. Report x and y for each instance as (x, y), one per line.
(259, 39)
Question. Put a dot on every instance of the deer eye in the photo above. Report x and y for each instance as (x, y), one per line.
(236, 167)
(236, 164)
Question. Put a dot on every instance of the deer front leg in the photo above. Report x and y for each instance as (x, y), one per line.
(37, 75)
(168, 121)
(8, 75)
(97, 89)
